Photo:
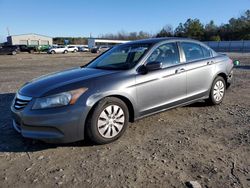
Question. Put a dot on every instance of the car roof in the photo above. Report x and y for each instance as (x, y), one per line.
(158, 40)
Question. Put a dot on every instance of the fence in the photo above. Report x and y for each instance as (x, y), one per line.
(230, 46)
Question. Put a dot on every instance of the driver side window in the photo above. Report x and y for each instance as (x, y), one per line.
(167, 54)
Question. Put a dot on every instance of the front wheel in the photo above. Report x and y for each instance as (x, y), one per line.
(108, 121)
(66, 51)
(74, 51)
(217, 91)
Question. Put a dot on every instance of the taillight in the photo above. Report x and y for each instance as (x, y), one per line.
(231, 61)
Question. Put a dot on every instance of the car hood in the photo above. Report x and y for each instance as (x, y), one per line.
(68, 79)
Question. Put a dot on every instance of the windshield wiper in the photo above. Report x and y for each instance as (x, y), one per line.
(105, 68)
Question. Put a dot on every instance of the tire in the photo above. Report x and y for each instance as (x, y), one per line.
(74, 51)
(217, 91)
(108, 121)
(52, 52)
(13, 53)
(65, 52)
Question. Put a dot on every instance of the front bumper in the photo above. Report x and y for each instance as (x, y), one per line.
(57, 125)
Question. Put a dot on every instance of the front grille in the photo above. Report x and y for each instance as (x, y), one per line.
(21, 101)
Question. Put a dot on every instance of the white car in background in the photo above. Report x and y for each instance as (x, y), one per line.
(73, 49)
(62, 49)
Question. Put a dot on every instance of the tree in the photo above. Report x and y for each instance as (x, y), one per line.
(236, 28)
(180, 31)
(211, 32)
(194, 29)
(166, 31)
(215, 38)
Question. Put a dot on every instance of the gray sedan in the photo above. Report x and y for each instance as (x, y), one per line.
(126, 83)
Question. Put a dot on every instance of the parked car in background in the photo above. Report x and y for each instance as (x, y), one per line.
(62, 49)
(83, 49)
(8, 50)
(43, 48)
(126, 83)
(25, 48)
(73, 49)
(22, 48)
(99, 49)
(57, 49)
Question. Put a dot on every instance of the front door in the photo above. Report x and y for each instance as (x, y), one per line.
(163, 88)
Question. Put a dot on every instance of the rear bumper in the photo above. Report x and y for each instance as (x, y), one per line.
(62, 125)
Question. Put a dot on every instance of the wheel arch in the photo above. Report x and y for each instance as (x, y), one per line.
(129, 104)
(223, 75)
(121, 97)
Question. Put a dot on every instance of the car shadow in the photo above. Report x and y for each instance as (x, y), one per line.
(11, 141)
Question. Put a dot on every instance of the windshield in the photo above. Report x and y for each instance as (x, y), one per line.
(121, 57)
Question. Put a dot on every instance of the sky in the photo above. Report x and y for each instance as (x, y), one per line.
(82, 18)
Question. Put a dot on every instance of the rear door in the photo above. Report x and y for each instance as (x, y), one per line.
(161, 89)
(199, 67)
(60, 49)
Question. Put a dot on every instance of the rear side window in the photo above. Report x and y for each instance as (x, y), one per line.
(192, 51)
(167, 54)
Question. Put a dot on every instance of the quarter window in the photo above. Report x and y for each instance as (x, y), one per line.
(167, 54)
(192, 51)
(206, 52)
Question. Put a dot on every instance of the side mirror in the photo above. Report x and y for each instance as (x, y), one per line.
(153, 65)
(236, 62)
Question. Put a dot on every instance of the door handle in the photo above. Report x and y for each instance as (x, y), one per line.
(210, 62)
(177, 71)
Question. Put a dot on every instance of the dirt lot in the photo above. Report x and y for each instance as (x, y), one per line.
(208, 144)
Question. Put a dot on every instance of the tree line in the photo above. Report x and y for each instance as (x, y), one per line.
(71, 40)
(235, 29)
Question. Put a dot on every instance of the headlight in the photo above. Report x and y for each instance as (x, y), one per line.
(61, 99)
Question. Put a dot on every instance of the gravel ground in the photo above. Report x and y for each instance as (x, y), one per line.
(207, 144)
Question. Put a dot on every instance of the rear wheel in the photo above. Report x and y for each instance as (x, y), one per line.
(13, 53)
(52, 52)
(75, 51)
(66, 51)
(217, 91)
(108, 121)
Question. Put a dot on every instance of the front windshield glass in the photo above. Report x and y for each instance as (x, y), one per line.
(121, 57)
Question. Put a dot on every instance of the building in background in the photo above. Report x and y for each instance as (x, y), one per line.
(29, 39)
(103, 42)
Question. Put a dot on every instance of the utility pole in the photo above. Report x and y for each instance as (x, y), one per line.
(8, 31)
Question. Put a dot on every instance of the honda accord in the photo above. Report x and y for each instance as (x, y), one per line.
(126, 83)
